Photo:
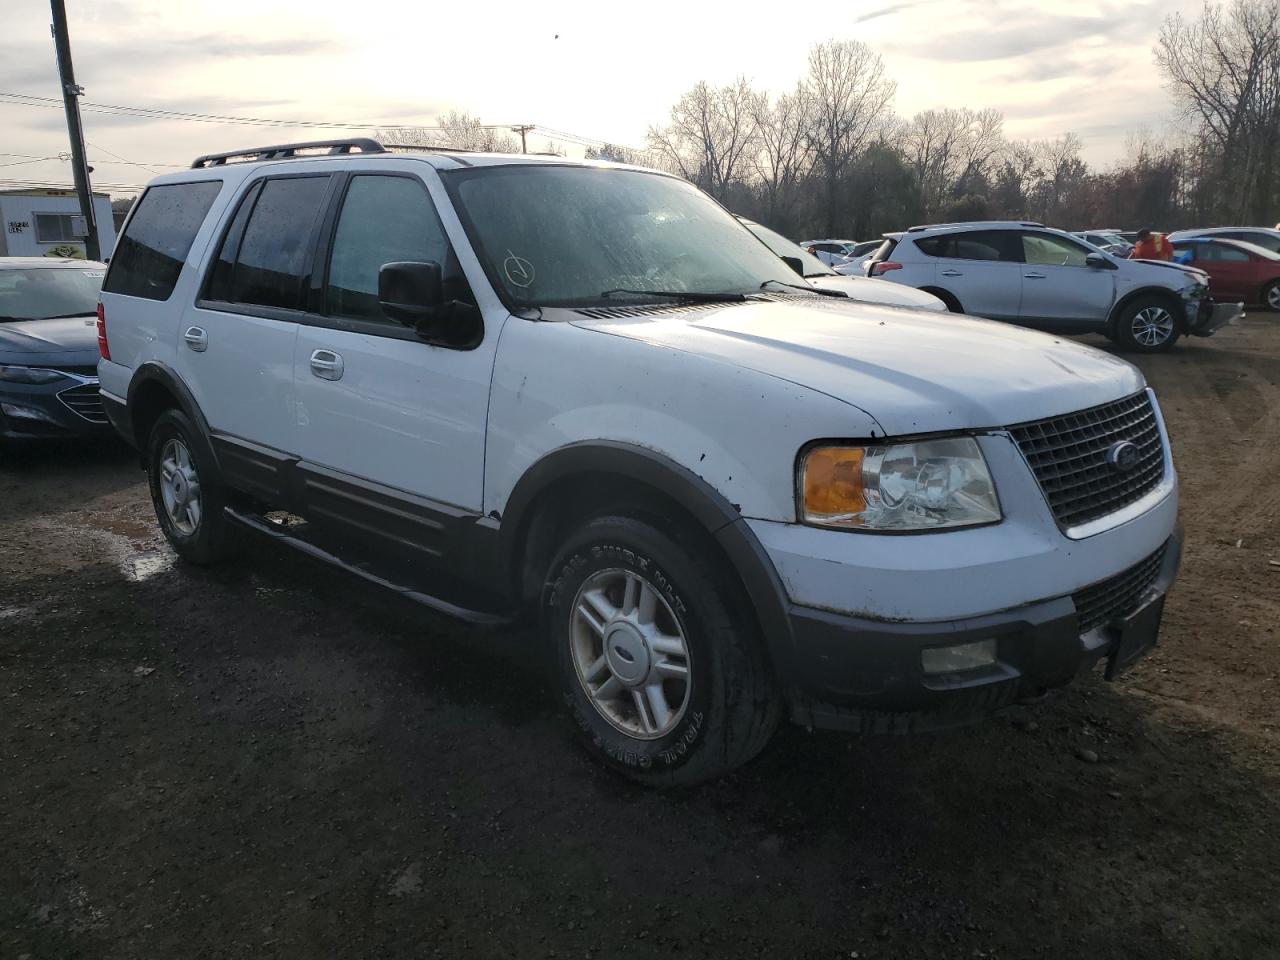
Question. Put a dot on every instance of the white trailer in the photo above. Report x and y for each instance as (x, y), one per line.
(47, 223)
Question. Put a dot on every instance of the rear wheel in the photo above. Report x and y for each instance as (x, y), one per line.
(659, 664)
(188, 503)
(1147, 325)
(1271, 296)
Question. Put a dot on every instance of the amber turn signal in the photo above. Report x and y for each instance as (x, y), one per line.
(833, 482)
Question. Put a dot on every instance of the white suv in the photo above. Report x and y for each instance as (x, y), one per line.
(1031, 275)
(584, 395)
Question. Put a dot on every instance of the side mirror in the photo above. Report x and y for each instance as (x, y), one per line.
(1099, 262)
(410, 292)
(795, 263)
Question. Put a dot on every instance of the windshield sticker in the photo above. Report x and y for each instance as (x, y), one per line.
(519, 271)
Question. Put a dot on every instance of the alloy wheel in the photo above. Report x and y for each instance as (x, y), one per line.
(1273, 297)
(630, 653)
(180, 487)
(1152, 326)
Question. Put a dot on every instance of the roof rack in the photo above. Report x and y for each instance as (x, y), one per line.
(285, 150)
(970, 223)
(429, 147)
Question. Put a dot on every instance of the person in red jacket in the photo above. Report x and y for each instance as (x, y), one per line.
(1151, 246)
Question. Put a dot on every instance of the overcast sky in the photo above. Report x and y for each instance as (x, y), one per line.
(604, 71)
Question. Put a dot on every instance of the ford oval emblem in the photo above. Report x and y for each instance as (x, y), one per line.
(1124, 456)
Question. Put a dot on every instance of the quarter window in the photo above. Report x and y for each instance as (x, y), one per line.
(384, 220)
(148, 258)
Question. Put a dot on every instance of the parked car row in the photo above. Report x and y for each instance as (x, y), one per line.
(1029, 274)
(582, 395)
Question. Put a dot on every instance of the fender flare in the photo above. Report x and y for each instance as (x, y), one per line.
(153, 371)
(718, 517)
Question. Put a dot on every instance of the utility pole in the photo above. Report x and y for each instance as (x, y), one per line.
(71, 101)
(522, 129)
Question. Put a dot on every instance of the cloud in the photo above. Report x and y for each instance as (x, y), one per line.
(886, 11)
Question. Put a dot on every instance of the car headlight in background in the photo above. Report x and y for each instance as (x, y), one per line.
(922, 485)
(28, 375)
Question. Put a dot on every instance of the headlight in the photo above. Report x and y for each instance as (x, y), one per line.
(925, 485)
(28, 375)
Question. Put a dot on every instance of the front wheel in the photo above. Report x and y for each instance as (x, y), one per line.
(659, 663)
(1147, 325)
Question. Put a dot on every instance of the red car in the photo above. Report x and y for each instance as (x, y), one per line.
(1237, 270)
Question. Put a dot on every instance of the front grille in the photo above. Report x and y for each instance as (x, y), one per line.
(1068, 455)
(1117, 596)
(86, 401)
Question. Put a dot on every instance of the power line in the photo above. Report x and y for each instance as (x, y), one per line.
(157, 113)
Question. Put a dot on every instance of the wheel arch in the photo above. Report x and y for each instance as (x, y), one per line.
(1170, 298)
(563, 488)
(154, 388)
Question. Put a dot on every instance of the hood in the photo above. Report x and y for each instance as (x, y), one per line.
(913, 371)
(867, 290)
(1170, 265)
(70, 341)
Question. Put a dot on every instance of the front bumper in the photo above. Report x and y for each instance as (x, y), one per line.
(1209, 317)
(865, 675)
(70, 407)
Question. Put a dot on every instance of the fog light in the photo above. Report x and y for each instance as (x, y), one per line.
(963, 656)
(18, 412)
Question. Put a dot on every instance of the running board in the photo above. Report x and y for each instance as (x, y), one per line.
(278, 534)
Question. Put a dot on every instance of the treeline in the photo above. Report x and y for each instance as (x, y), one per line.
(833, 158)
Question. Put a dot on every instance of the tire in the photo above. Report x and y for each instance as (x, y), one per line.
(187, 502)
(1147, 325)
(684, 693)
(1271, 296)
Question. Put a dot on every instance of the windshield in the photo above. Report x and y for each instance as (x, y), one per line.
(566, 236)
(813, 267)
(41, 293)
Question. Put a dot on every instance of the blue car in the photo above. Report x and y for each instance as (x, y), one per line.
(49, 348)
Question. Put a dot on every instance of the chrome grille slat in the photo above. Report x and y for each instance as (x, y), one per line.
(1117, 596)
(1068, 455)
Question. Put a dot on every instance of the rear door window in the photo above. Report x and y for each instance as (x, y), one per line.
(267, 253)
(148, 258)
(990, 245)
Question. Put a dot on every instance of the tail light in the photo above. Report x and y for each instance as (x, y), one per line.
(104, 350)
(883, 267)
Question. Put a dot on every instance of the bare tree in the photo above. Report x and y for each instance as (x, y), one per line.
(456, 129)
(784, 155)
(1224, 71)
(711, 134)
(851, 100)
(950, 149)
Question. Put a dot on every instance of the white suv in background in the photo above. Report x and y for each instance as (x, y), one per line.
(523, 389)
(1037, 277)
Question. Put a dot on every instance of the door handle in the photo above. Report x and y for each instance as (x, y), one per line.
(1034, 276)
(196, 339)
(953, 273)
(326, 365)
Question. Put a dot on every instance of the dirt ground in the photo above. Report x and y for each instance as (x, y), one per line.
(272, 760)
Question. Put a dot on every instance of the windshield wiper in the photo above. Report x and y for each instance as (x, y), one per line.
(681, 295)
(65, 316)
(806, 288)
